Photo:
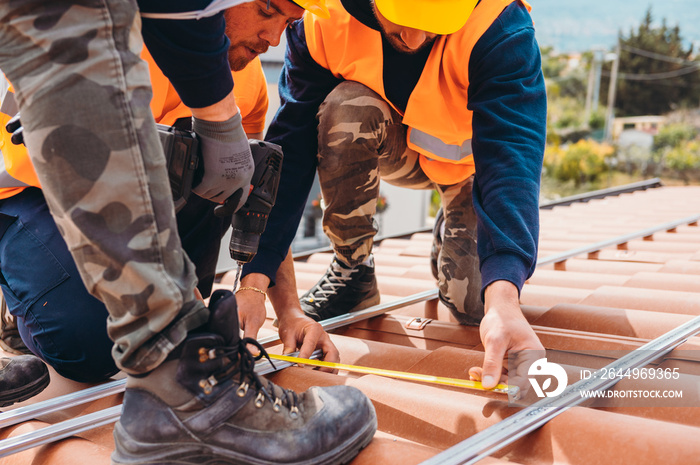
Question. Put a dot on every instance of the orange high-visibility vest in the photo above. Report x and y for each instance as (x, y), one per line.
(250, 91)
(439, 123)
(16, 172)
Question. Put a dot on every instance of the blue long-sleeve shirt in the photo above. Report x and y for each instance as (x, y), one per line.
(193, 54)
(507, 96)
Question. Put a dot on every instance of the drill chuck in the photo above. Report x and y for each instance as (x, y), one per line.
(249, 222)
(244, 246)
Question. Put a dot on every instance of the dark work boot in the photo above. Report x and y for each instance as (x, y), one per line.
(341, 290)
(21, 377)
(438, 234)
(208, 406)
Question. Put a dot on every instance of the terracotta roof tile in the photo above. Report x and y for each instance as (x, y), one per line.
(615, 299)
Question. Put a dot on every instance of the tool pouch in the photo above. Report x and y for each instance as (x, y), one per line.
(181, 150)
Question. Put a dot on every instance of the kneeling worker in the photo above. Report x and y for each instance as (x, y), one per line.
(445, 95)
(178, 406)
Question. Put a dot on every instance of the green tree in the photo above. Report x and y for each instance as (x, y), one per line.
(683, 159)
(552, 63)
(656, 73)
(673, 135)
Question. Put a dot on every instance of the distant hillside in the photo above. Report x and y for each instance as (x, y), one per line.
(574, 26)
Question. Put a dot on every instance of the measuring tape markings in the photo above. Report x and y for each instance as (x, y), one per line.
(464, 383)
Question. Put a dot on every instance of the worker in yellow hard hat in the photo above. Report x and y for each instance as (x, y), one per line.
(112, 250)
(437, 16)
(423, 94)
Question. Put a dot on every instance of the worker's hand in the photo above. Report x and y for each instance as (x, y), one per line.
(299, 332)
(14, 127)
(251, 311)
(227, 161)
(503, 329)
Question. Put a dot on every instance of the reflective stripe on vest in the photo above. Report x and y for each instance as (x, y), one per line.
(435, 146)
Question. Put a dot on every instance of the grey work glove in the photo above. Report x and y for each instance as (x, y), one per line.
(228, 163)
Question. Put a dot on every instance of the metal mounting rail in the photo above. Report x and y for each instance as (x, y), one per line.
(602, 193)
(73, 399)
(93, 420)
(507, 431)
(579, 198)
(560, 257)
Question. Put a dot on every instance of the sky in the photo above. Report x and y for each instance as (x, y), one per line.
(570, 26)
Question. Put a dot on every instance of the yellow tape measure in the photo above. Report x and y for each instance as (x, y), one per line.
(464, 383)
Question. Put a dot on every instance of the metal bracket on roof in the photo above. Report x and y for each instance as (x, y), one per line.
(417, 323)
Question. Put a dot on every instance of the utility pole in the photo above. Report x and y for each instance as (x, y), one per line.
(593, 90)
(610, 114)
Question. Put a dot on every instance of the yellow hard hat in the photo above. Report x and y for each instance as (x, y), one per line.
(317, 7)
(436, 16)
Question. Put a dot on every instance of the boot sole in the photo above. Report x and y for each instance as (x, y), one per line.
(203, 454)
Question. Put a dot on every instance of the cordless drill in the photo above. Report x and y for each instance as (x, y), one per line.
(181, 154)
(249, 221)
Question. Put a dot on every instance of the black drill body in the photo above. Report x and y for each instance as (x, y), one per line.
(249, 222)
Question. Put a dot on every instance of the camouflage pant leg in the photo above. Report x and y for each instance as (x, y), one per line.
(361, 139)
(84, 95)
(459, 278)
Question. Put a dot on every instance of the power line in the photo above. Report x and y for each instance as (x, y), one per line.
(656, 56)
(693, 66)
(657, 76)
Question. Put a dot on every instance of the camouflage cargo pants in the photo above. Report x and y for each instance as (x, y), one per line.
(84, 96)
(361, 139)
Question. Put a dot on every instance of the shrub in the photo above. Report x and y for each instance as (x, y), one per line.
(673, 135)
(581, 162)
(683, 159)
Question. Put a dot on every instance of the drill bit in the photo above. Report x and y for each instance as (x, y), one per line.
(236, 281)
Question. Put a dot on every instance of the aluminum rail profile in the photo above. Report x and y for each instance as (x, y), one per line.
(73, 399)
(509, 430)
(560, 257)
(77, 425)
(602, 193)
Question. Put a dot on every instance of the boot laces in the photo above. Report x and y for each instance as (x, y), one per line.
(334, 279)
(247, 378)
